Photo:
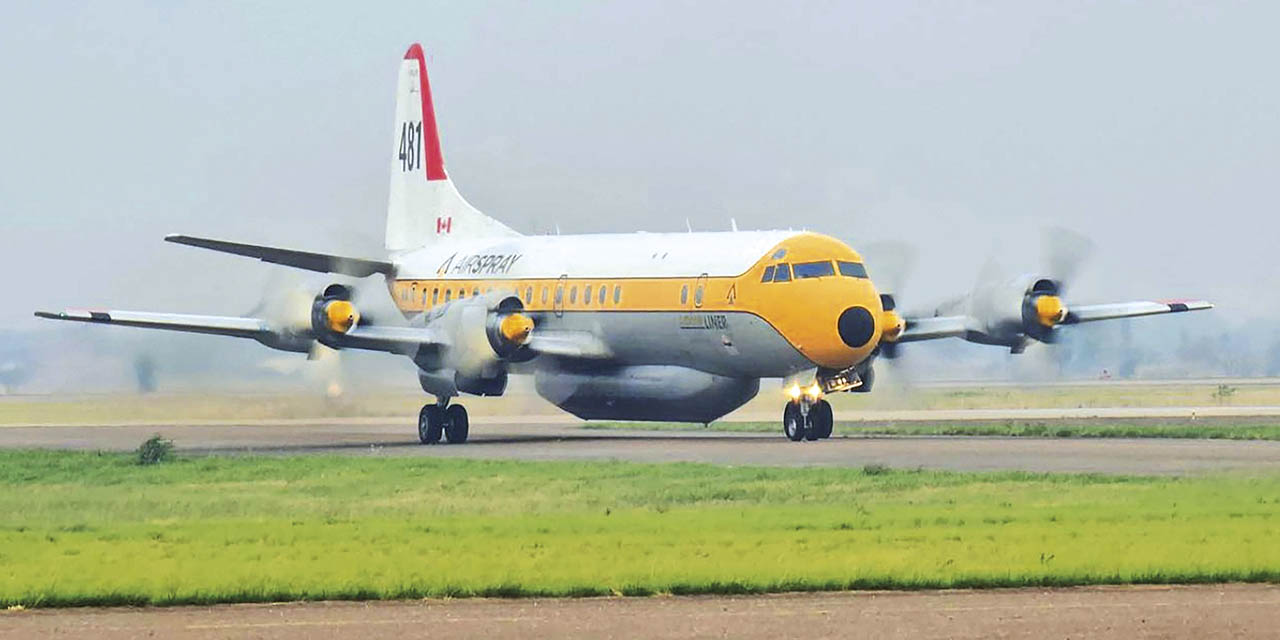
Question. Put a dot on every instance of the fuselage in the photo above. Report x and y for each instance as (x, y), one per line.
(744, 304)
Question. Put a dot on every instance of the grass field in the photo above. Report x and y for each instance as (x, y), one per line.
(1212, 428)
(82, 528)
(99, 409)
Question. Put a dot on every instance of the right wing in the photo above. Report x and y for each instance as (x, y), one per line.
(374, 338)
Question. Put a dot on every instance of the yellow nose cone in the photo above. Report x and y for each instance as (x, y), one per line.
(342, 316)
(892, 324)
(1050, 310)
(516, 328)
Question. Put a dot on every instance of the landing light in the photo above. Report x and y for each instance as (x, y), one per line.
(794, 391)
(814, 392)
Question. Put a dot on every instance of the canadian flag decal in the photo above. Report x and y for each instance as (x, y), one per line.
(444, 225)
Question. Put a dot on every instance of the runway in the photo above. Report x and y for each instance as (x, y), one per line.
(1207, 611)
(537, 440)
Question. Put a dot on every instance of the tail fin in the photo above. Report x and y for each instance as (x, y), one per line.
(424, 206)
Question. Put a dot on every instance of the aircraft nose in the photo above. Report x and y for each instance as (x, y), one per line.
(856, 326)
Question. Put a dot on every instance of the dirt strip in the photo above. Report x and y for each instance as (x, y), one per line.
(1203, 612)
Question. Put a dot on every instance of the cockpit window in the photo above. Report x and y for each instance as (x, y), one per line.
(777, 255)
(813, 269)
(782, 273)
(853, 269)
(768, 274)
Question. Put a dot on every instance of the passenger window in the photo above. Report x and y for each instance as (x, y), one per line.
(813, 269)
(586, 294)
(435, 296)
(684, 294)
(475, 292)
(573, 295)
(782, 273)
(697, 296)
(448, 294)
(544, 295)
(528, 295)
(768, 274)
(559, 296)
(617, 293)
(601, 296)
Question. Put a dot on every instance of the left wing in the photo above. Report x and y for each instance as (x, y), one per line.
(958, 326)
(918, 329)
(1095, 312)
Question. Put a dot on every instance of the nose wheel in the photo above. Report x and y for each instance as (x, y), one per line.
(807, 420)
(449, 421)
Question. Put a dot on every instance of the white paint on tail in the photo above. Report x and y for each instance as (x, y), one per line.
(424, 207)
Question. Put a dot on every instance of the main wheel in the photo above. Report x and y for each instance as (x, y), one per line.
(456, 424)
(430, 424)
(821, 420)
(793, 422)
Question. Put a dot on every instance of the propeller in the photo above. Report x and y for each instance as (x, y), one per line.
(891, 265)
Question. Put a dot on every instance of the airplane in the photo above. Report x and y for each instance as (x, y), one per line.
(620, 326)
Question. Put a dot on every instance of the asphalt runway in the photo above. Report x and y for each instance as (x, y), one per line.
(555, 440)
(1201, 612)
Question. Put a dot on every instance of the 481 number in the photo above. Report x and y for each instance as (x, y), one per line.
(411, 146)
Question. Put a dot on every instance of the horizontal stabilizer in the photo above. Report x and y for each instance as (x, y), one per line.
(322, 262)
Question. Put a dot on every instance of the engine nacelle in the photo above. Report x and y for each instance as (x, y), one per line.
(648, 392)
(1009, 313)
(484, 333)
(333, 313)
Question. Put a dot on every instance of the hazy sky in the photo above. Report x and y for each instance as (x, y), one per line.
(965, 130)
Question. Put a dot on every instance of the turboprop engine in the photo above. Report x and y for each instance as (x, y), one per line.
(333, 313)
(1013, 312)
(485, 334)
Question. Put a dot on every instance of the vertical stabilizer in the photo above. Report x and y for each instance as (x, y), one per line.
(424, 206)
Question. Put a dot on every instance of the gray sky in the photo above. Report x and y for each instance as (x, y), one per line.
(965, 130)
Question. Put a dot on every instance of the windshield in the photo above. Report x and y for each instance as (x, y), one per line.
(813, 269)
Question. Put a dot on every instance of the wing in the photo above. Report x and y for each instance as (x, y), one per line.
(932, 328)
(1095, 312)
(324, 263)
(375, 338)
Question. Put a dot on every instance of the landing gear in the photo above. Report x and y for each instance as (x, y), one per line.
(442, 419)
(807, 420)
(430, 424)
(456, 424)
(793, 422)
(821, 420)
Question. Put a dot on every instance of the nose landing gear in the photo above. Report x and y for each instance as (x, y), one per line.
(444, 419)
(805, 419)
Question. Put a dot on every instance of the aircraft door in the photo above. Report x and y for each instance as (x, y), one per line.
(700, 291)
(558, 306)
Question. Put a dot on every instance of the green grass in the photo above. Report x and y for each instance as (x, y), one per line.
(88, 529)
(1215, 429)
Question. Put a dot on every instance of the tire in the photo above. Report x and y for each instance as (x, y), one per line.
(457, 426)
(821, 419)
(793, 426)
(430, 424)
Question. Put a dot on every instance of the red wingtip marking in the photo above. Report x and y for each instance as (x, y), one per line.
(434, 164)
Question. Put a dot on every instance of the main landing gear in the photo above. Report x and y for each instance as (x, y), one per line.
(444, 419)
(806, 419)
